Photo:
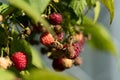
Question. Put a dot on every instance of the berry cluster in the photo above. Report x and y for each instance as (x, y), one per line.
(64, 50)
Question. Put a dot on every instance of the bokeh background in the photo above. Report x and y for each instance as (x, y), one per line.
(97, 64)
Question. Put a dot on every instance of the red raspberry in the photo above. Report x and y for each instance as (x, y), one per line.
(74, 50)
(55, 18)
(20, 60)
(46, 38)
(60, 36)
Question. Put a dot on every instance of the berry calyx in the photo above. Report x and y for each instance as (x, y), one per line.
(77, 61)
(27, 31)
(55, 18)
(46, 38)
(20, 60)
(5, 62)
(1, 18)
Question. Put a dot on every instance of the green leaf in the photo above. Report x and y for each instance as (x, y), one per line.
(91, 3)
(39, 5)
(31, 12)
(110, 6)
(47, 75)
(25, 6)
(78, 6)
(96, 11)
(3, 6)
(6, 75)
(36, 58)
(101, 38)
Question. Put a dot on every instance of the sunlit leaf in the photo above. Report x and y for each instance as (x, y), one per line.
(78, 6)
(3, 6)
(36, 58)
(47, 75)
(90, 3)
(39, 5)
(31, 12)
(101, 38)
(110, 6)
(96, 11)
(6, 75)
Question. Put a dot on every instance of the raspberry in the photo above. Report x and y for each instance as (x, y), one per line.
(62, 63)
(70, 52)
(60, 36)
(46, 39)
(77, 49)
(73, 51)
(20, 60)
(55, 18)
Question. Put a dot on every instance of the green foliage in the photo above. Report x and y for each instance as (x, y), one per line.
(45, 75)
(110, 6)
(39, 5)
(100, 36)
(31, 12)
(36, 58)
(7, 75)
(91, 3)
(3, 7)
(96, 11)
(78, 6)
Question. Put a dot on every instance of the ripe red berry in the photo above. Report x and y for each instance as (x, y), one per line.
(19, 60)
(55, 18)
(46, 39)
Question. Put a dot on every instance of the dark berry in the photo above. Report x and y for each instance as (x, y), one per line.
(62, 63)
(57, 65)
(55, 18)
